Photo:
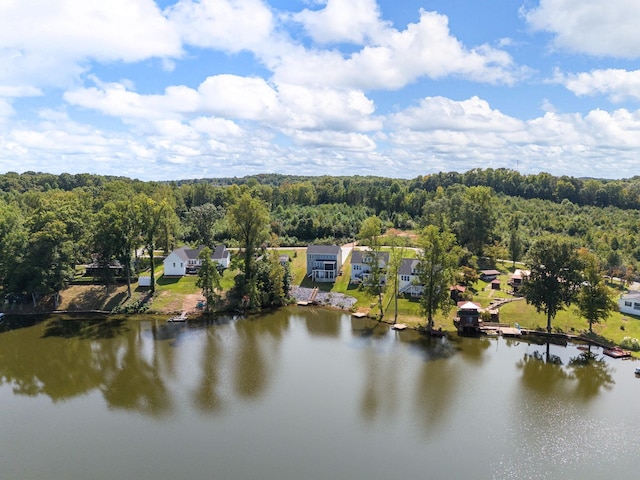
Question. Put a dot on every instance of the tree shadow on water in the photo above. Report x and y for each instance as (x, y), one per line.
(85, 329)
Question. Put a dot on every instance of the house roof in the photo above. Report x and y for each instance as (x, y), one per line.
(220, 252)
(186, 253)
(359, 256)
(459, 288)
(631, 296)
(407, 266)
(520, 273)
(497, 280)
(489, 272)
(469, 306)
(324, 249)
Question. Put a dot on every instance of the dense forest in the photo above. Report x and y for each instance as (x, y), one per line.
(49, 223)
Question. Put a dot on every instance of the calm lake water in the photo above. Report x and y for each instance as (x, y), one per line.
(306, 394)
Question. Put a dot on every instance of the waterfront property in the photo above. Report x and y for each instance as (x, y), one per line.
(629, 303)
(362, 262)
(185, 260)
(409, 283)
(324, 262)
(467, 319)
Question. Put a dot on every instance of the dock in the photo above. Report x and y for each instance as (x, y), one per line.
(500, 329)
(616, 352)
(399, 326)
(178, 318)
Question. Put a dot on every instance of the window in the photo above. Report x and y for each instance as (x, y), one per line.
(636, 306)
(627, 304)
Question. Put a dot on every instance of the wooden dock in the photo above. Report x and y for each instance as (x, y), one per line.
(178, 318)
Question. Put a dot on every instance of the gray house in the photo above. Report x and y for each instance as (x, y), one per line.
(324, 262)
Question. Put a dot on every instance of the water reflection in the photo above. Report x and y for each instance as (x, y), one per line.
(584, 377)
(139, 365)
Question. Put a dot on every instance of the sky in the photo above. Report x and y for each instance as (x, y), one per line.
(168, 90)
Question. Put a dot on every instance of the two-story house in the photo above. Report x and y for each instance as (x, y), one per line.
(409, 282)
(362, 262)
(324, 262)
(185, 260)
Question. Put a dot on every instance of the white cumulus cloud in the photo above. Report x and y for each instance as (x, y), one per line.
(617, 84)
(594, 27)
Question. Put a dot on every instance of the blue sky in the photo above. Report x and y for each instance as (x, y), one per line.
(208, 88)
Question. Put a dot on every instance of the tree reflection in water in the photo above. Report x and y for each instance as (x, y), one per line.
(583, 377)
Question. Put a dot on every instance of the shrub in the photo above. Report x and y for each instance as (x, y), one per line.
(630, 343)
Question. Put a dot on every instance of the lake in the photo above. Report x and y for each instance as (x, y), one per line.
(305, 393)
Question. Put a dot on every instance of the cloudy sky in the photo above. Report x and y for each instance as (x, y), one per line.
(168, 89)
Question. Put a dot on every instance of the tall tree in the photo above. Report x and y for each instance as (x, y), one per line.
(515, 242)
(117, 233)
(476, 218)
(13, 239)
(554, 276)
(208, 278)
(437, 270)
(248, 220)
(370, 234)
(152, 214)
(593, 301)
(393, 280)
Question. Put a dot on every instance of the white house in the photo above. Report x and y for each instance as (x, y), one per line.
(408, 275)
(629, 303)
(324, 262)
(361, 262)
(185, 260)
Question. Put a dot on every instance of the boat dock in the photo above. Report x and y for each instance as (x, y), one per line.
(501, 329)
(179, 318)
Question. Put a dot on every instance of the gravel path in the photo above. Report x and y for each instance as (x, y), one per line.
(330, 299)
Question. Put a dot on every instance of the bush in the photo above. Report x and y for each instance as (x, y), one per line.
(630, 344)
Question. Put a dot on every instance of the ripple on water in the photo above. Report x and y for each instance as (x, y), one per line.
(572, 444)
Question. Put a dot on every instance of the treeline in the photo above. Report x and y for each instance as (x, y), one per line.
(49, 224)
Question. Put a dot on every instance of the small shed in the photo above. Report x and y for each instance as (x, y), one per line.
(144, 281)
(495, 284)
(488, 275)
(455, 292)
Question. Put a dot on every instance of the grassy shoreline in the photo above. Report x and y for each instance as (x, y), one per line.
(174, 295)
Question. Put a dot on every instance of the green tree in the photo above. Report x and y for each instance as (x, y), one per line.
(58, 239)
(272, 280)
(393, 280)
(208, 278)
(437, 270)
(476, 218)
(370, 232)
(13, 239)
(515, 242)
(152, 215)
(554, 276)
(593, 300)
(201, 221)
(248, 220)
